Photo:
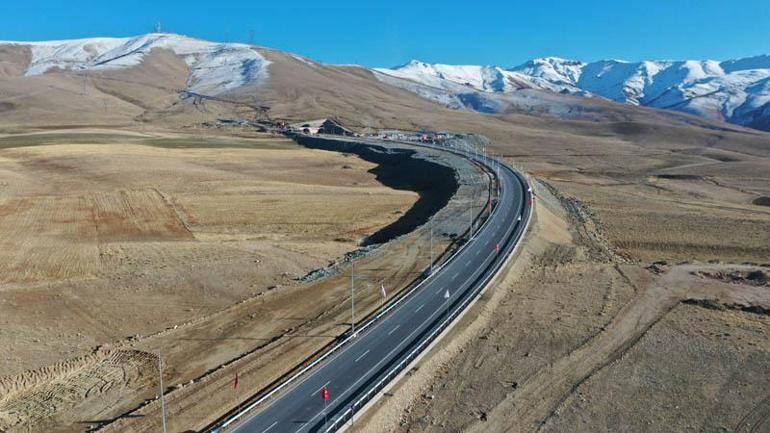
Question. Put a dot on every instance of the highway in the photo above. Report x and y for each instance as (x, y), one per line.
(369, 358)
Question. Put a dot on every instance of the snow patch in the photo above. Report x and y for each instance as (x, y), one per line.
(214, 67)
(733, 90)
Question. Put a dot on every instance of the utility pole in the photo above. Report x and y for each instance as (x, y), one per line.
(431, 246)
(162, 400)
(352, 300)
(470, 215)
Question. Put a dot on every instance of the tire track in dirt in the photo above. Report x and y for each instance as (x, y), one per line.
(102, 375)
(755, 418)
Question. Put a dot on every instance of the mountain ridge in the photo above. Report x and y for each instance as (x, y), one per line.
(214, 67)
(736, 91)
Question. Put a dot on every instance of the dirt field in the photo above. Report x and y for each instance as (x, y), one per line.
(113, 240)
(582, 313)
(579, 338)
(127, 237)
(192, 253)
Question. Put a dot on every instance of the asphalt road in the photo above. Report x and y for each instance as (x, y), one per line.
(353, 370)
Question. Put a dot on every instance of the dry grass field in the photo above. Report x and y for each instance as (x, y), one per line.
(102, 241)
(579, 338)
(110, 231)
(120, 246)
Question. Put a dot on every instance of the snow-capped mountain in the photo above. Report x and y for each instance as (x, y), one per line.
(737, 91)
(483, 78)
(214, 67)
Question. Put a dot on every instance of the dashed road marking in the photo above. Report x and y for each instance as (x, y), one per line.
(362, 355)
(322, 387)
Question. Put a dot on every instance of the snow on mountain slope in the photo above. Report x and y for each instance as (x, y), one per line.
(214, 68)
(449, 93)
(733, 90)
(446, 77)
(554, 71)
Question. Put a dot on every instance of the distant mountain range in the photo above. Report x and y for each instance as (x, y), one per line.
(736, 91)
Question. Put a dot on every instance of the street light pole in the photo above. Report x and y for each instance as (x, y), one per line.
(470, 218)
(431, 246)
(162, 400)
(353, 300)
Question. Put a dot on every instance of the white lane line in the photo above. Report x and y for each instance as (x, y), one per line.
(271, 426)
(453, 277)
(398, 346)
(322, 387)
(362, 355)
(477, 252)
(419, 308)
(394, 329)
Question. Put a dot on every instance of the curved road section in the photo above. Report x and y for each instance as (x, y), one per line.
(358, 372)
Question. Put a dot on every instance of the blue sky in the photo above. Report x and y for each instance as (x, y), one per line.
(387, 33)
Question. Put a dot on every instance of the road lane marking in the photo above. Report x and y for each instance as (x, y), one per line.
(362, 355)
(419, 308)
(394, 329)
(453, 277)
(343, 393)
(477, 252)
(322, 387)
(271, 426)
(398, 346)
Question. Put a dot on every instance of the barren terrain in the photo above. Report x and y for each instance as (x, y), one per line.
(629, 309)
(584, 335)
(117, 239)
(106, 236)
(191, 248)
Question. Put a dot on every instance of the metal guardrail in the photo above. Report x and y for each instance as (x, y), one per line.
(223, 424)
(511, 241)
(339, 420)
